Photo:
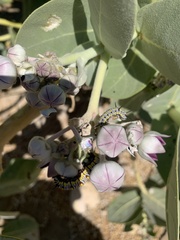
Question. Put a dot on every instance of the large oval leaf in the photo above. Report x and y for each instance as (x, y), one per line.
(159, 35)
(18, 176)
(125, 207)
(124, 73)
(172, 198)
(24, 227)
(114, 23)
(73, 27)
(163, 102)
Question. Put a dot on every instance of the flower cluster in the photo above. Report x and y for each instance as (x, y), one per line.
(69, 164)
(115, 138)
(73, 161)
(45, 79)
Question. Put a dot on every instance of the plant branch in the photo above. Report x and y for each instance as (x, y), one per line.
(92, 110)
(15, 123)
(174, 115)
(7, 23)
(86, 55)
(139, 179)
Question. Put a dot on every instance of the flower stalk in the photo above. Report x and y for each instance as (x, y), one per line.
(86, 55)
(92, 110)
(174, 115)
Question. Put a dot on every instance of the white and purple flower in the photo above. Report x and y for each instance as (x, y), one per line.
(107, 176)
(151, 145)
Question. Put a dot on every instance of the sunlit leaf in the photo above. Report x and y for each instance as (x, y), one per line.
(125, 207)
(162, 102)
(114, 23)
(73, 27)
(172, 199)
(131, 71)
(159, 35)
(18, 176)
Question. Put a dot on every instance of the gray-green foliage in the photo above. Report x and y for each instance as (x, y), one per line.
(18, 176)
(114, 24)
(172, 203)
(159, 36)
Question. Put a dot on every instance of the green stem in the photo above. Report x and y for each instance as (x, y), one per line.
(86, 55)
(7, 23)
(139, 179)
(92, 110)
(174, 115)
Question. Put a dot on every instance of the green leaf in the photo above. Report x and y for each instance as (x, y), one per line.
(125, 208)
(161, 103)
(114, 23)
(172, 198)
(154, 203)
(159, 35)
(22, 227)
(74, 28)
(124, 73)
(18, 176)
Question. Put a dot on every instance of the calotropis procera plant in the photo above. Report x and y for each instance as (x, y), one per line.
(118, 49)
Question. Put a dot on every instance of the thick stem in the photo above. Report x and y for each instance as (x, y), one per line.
(92, 110)
(88, 54)
(174, 115)
(15, 123)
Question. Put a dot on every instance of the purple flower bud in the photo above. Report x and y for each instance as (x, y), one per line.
(43, 68)
(134, 134)
(47, 112)
(68, 87)
(112, 140)
(52, 95)
(33, 100)
(30, 82)
(151, 145)
(40, 149)
(65, 170)
(46, 69)
(7, 73)
(107, 176)
(17, 54)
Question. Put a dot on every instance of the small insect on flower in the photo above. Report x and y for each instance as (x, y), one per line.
(110, 113)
